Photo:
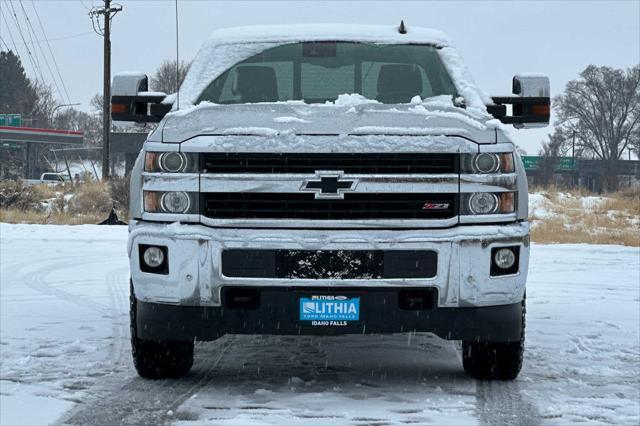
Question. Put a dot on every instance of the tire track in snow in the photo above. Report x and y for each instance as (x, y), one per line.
(35, 279)
(147, 402)
(503, 403)
(117, 286)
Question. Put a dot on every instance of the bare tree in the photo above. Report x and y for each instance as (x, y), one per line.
(90, 124)
(164, 79)
(603, 108)
(634, 145)
(550, 154)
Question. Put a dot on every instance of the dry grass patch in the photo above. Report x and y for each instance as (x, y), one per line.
(90, 197)
(69, 204)
(581, 217)
(48, 218)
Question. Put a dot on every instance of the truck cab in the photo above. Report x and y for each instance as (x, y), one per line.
(323, 180)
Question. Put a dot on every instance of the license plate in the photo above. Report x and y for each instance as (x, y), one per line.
(329, 310)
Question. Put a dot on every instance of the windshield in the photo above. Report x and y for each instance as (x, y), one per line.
(317, 72)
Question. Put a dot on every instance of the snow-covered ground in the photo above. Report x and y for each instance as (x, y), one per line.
(65, 353)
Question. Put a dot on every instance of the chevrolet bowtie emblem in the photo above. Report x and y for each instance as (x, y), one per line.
(329, 185)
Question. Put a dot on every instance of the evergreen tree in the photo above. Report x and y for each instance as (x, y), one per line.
(17, 93)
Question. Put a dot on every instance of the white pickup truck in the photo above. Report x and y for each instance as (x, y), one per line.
(325, 179)
(48, 178)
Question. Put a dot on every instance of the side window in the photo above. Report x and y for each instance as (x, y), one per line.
(226, 94)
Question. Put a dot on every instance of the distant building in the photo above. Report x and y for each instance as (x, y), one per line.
(21, 148)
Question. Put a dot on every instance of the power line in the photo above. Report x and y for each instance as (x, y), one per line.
(55, 62)
(10, 35)
(31, 30)
(35, 56)
(62, 37)
(36, 70)
(5, 43)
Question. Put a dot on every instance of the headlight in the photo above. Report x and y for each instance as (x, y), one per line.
(173, 162)
(170, 162)
(483, 203)
(173, 202)
(487, 162)
(479, 203)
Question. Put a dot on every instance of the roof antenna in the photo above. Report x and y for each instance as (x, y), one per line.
(177, 63)
(402, 29)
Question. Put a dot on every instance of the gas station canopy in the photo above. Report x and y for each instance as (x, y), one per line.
(14, 137)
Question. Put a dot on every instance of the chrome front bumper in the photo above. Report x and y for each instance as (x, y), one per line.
(195, 275)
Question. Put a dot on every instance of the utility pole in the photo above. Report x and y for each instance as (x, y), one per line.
(573, 160)
(107, 12)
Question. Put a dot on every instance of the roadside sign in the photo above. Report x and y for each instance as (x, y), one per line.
(9, 145)
(565, 163)
(562, 163)
(530, 163)
(12, 120)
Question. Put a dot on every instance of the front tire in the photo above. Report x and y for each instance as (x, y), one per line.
(494, 360)
(158, 359)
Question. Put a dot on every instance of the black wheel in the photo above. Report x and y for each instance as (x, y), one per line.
(494, 360)
(158, 359)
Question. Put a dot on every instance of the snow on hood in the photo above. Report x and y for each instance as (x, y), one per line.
(226, 47)
(348, 115)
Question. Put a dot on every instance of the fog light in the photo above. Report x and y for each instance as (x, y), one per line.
(504, 258)
(153, 257)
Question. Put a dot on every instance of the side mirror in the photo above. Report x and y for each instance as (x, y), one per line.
(531, 107)
(131, 101)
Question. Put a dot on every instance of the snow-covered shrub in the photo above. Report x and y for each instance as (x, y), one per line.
(119, 190)
(90, 197)
(14, 194)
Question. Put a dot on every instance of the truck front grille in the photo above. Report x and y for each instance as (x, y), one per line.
(329, 264)
(354, 206)
(349, 163)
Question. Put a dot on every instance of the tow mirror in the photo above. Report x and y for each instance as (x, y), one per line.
(531, 105)
(131, 101)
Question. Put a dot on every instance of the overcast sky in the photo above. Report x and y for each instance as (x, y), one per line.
(496, 38)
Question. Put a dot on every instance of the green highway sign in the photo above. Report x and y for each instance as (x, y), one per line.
(13, 120)
(565, 163)
(562, 163)
(530, 163)
(9, 145)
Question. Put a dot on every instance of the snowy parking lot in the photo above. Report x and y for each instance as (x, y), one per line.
(65, 351)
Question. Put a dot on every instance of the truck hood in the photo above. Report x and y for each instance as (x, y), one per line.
(435, 118)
